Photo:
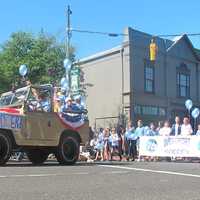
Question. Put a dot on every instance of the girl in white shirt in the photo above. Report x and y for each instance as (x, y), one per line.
(165, 130)
(186, 128)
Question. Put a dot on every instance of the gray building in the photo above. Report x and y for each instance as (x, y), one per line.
(125, 83)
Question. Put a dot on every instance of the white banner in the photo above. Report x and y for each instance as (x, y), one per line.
(170, 146)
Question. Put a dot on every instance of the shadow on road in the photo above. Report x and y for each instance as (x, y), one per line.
(54, 163)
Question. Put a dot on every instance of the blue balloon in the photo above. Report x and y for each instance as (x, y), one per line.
(23, 70)
(195, 113)
(188, 104)
(67, 64)
(83, 101)
(65, 85)
(63, 81)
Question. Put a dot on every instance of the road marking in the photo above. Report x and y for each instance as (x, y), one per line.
(116, 172)
(152, 171)
(41, 175)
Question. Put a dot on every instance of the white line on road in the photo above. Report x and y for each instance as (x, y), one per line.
(116, 172)
(40, 175)
(152, 171)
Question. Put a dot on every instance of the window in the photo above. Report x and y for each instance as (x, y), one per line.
(150, 110)
(183, 84)
(149, 79)
(137, 109)
(162, 111)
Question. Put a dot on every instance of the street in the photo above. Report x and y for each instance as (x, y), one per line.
(106, 180)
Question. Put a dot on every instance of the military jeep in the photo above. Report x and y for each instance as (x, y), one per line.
(26, 126)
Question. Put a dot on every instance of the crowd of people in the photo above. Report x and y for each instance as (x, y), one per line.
(124, 142)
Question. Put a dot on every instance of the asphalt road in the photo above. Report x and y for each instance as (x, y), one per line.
(109, 181)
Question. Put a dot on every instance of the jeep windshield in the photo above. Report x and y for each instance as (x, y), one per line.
(14, 98)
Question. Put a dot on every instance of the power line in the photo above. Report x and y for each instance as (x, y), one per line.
(99, 32)
(175, 35)
(113, 34)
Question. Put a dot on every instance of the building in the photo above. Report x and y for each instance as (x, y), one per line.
(125, 83)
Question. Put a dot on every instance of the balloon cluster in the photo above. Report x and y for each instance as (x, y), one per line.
(64, 82)
(195, 112)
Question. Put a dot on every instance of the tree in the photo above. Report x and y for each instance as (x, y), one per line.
(41, 53)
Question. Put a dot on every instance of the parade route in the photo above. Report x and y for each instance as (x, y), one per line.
(107, 180)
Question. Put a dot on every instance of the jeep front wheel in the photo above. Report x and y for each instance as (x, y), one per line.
(37, 156)
(5, 148)
(68, 150)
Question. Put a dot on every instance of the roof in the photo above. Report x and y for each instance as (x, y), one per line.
(185, 37)
(101, 54)
(169, 45)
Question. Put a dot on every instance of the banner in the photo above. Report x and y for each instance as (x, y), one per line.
(10, 121)
(170, 146)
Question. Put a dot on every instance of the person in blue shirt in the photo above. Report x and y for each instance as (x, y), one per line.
(131, 140)
(99, 145)
(78, 102)
(139, 131)
(151, 130)
(43, 103)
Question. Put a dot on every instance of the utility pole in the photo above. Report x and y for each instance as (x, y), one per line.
(69, 32)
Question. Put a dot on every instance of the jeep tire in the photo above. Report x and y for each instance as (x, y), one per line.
(37, 156)
(68, 150)
(5, 148)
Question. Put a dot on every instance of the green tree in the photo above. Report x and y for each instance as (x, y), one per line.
(41, 53)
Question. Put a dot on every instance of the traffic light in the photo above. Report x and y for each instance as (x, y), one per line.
(153, 50)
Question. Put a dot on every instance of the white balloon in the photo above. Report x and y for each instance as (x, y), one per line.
(23, 70)
(188, 104)
(195, 113)
(67, 64)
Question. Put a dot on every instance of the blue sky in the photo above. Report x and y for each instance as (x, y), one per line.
(151, 16)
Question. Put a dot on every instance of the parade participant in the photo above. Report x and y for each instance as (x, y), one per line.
(57, 101)
(99, 146)
(131, 139)
(114, 142)
(152, 130)
(176, 128)
(67, 107)
(165, 130)
(62, 95)
(198, 130)
(78, 102)
(186, 128)
(139, 131)
(160, 125)
(122, 141)
(106, 149)
(43, 103)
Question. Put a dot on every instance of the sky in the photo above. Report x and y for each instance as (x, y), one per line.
(151, 16)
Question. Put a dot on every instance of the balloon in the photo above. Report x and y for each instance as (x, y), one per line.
(83, 101)
(188, 104)
(77, 97)
(65, 85)
(63, 81)
(23, 70)
(195, 113)
(67, 64)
